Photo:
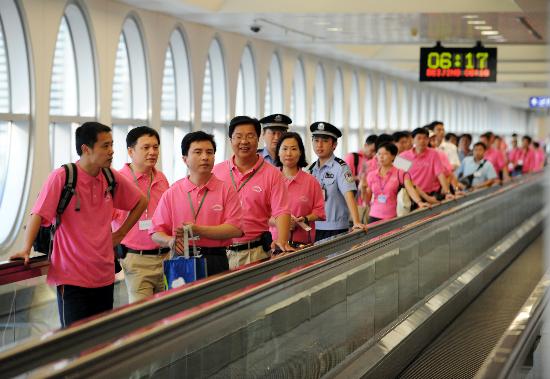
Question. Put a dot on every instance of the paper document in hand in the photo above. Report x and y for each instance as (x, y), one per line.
(402, 163)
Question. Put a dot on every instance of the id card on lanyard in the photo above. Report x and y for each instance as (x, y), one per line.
(382, 198)
(147, 222)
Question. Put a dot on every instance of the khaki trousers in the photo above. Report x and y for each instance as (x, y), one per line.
(143, 274)
(239, 258)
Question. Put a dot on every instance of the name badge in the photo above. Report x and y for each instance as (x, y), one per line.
(145, 224)
(382, 199)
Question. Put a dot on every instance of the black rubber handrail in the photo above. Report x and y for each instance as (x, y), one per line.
(106, 327)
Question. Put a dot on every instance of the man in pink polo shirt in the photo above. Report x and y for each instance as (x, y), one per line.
(427, 170)
(82, 259)
(361, 163)
(142, 264)
(201, 200)
(526, 159)
(495, 155)
(262, 193)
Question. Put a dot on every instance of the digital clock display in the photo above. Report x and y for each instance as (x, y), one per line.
(456, 64)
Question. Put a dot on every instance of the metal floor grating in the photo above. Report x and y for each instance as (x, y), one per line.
(459, 351)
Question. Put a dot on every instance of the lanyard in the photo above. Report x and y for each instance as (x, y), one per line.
(247, 180)
(200, 205)
(148, 189)
(382, 183)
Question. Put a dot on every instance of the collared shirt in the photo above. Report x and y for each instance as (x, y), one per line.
(307, 198)
(261, 191)
(265, 155)
(425, 168)
(446, 163)
(462, 155)
(82, 252)
(214, 203)
(140, 239)
(451, 151)
(336, 179)
(362, 160)
(540, 158)
(369, 166)
(384, 192)
(527, 160)
(470, 166)
(496, 157)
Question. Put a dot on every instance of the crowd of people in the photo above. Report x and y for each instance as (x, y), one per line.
(255, 205)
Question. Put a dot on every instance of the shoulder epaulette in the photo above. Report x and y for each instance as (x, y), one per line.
(341, 162)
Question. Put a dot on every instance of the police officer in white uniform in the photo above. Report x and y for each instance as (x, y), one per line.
(273, 127)
(336, 181)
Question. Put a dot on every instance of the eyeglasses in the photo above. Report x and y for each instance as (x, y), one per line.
(247, 137)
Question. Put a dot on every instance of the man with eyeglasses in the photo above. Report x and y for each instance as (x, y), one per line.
(261, 191)
(273, 127)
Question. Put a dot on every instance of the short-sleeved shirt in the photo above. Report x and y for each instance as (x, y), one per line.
(470, 166)
(540, 157)
(361, 166)
(140, 239)
(367, 166)
(265, 155)
(425, 168)
(335, 179)
(513, 156)
(306, 198)
(496, 157)
(384, 192)
(213, 204)
(527, 160)
(262, 193)
(452, 153)
(83, 252)
(446, 163)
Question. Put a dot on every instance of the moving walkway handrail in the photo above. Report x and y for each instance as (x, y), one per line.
(107, 327)
(512, 346)
(102, 357)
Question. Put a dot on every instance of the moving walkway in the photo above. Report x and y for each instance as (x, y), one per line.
(348, 307)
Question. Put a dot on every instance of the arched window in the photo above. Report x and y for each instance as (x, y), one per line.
(319, 101)
(73, 89)
(246, 86)
(414, 118)
(404, 105)
(14, 120)
(130, 89)
(393, 114)
(274, 88)
(381, 111)
(176, 105)
(370, 108)
(214, 99)
(337, 111)
(354, 136)
(298, 103)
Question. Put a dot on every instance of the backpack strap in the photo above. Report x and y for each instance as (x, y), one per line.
(311, 167)
(356, 163)
(69, 189)
(111, 182)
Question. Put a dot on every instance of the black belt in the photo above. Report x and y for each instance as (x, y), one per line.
(245, 245)
(158, 251)
(211, 250)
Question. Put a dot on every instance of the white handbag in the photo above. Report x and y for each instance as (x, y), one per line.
(404, 202)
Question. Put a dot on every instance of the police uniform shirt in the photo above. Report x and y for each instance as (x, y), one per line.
(265, 154)
(336, 179)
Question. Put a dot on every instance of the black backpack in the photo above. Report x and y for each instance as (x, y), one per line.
(44, 239)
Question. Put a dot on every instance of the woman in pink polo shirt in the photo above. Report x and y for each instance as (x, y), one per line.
(383, 185)
(305, 199)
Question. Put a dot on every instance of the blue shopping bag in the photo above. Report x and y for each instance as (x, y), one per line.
(179, 270)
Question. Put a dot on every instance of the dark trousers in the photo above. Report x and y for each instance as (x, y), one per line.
(373, 219)
(76, 303)
(216, 263)
(322, 234)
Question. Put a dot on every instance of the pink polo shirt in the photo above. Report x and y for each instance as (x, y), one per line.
(82, 252)
(540, 157)
(446, 163)
(220, 206)
(528, 160)
(496, 157)
(140, 239)
(262, 193)
(370, 165)
(425, 168)
(513, 156)
(307, 198)
(384, 192)
(361, 162)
